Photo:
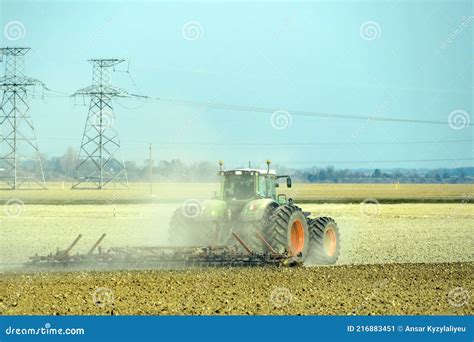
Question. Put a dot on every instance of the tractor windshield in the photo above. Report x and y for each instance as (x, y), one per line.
(239, 186)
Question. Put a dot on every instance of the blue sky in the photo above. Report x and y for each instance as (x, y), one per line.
(304, 56)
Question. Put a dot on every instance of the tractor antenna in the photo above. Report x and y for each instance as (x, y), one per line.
(221, 163)
(268, 166)
(20, 159)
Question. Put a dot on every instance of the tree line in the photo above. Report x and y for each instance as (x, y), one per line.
(62, 168)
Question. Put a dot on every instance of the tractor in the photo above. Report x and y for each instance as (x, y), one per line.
(249, 208)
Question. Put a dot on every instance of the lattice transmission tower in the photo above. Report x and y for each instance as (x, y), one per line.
(20, 160)
(97, 165)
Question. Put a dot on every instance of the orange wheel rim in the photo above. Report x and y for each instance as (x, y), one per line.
(330, 242)
(297, 237)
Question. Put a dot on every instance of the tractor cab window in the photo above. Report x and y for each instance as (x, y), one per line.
(266, 186)
(262, 186)
(271, 187)
(239, 186)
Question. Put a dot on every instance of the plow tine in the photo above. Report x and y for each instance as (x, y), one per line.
(66, 252)
(96, 244)
(260, 236)
(247, 248)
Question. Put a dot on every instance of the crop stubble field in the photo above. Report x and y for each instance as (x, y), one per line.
(406, 258)
(59, 193)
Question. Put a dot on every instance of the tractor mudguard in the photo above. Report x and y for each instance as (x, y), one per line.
(212, 210)
(256, 209)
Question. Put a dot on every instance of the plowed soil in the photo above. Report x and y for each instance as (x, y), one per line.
(392, 289)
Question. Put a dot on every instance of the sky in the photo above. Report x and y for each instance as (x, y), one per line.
(374, 59)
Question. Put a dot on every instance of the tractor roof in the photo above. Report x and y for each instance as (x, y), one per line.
(260, 171)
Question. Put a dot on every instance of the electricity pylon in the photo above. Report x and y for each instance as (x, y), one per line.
(97, 165)
(20, 160)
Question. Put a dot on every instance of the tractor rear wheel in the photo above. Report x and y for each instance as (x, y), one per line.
(249, 231)
(325, 240)
(287, 231)
(184, 231)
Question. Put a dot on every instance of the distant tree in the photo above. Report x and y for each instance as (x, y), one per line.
(377, 173)
(322, 175)
(330, 172)
(62, 168)
(67, 162)
(202, 171)
(134, 173)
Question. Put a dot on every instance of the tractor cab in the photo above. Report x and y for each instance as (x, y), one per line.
(249, 184)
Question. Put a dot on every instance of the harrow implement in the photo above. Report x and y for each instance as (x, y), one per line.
(156, 257)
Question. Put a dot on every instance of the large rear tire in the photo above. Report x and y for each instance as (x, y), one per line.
(184, 231)
(325, 241)
(249, 231)
(287, 231)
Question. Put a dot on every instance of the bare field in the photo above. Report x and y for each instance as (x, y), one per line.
(60, 193)
(385, 233)
(392, 289)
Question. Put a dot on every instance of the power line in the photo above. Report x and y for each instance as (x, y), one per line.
(246, 143)
(265, 110)
(209, 105)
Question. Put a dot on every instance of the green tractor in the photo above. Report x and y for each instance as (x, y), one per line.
(249, 207)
